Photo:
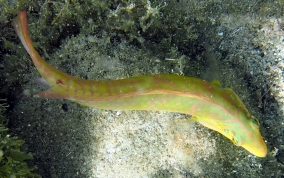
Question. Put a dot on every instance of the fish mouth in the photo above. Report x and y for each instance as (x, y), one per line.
(258, 149)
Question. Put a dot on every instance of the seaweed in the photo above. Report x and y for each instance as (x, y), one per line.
(12, 159)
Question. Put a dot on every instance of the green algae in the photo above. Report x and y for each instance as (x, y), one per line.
(12, 159)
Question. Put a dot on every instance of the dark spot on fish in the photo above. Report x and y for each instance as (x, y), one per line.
(60, 82)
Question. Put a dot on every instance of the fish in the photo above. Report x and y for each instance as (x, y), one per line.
(209, 104)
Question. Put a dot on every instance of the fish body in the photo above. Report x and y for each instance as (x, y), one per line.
(211, 105)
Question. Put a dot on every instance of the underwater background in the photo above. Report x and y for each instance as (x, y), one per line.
(240, 43)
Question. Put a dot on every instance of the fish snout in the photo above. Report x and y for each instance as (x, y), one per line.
(257, 148)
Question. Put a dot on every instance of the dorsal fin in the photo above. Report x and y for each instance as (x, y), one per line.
(216, 83)
(235, 97)
(232, 94)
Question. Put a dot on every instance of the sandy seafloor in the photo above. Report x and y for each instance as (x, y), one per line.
(70, 140)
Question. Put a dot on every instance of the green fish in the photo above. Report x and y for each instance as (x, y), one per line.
(217, 108)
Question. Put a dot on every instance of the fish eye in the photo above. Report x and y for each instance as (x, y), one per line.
(255, 121)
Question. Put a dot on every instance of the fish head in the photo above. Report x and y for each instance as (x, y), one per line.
(242, 130)
(251, 138)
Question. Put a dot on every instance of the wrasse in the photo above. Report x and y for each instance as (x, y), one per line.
(211, 105)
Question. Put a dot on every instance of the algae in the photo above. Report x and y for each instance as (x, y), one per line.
(12, 159)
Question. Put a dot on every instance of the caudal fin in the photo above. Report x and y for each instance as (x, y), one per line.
(55, 79)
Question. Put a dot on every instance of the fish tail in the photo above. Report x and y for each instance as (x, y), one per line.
(51, 75)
